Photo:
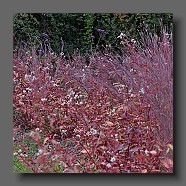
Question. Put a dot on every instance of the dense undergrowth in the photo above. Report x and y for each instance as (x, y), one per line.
(112, 114)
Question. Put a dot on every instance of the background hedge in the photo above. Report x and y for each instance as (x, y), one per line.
(76, 29)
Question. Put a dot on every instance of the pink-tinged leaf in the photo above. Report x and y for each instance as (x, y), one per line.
(166, 162)
(41, 159)
(84, 151)
(170, 146)
(35, 135)
(100, 141)
(153, 152)
(45, 140)
(135, 149)
(109, 123)
(102, 148)
(69, 170)
(54, 142)
(77, 169)
(122, 107)
(144, 171)
(103, 163)
(52, 120)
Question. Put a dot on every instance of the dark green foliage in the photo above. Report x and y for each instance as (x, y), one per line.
(76, 29)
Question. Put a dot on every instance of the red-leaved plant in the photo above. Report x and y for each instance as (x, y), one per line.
(111, 116)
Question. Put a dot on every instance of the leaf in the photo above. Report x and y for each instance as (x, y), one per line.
(82, 162)
(144, 171)
(100, 141)
(109, 123)
(166, 162)
(52, 120)
(54, 142)
(41, 159)
(102, 147)
(122, 107)
(69, 170)
(45, 140)
(170, 146)
(84, 151)
(141, 158)
(153, 152)
(35, 135)
(77, 169)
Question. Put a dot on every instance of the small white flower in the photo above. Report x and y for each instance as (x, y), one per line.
(113, 159)
(15, 153)
(55, 85)
(55, 157)
(32, 133)
(116, 135)
(63, 131)
(76, 96)
(61, 54)
(19, 150)
(70, 100)
(146, 151)
(109, 165)
(133, 41)
(131, 70)
(132, 95)
(78, 135)
(88, 133)
(93, 131)
(21, 103)
(33, 78)
(29, 89)
(40, 151)
(37, 129)
(121, 36)
(26, 77)
(43, 99)
(142, 90)
(72, 92)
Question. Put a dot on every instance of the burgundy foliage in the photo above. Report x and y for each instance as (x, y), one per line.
(112, 116)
